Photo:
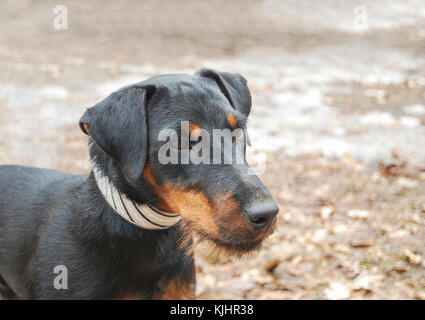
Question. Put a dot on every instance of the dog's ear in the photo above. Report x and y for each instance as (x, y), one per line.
(118, 126)
(233, 86)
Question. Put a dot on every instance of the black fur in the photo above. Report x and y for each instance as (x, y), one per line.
(48, 218)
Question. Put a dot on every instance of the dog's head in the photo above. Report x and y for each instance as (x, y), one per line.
(179, 141)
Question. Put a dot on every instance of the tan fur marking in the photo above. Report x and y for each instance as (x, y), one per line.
(231, 119)
(194, 130)
(209, 217)
(194, 206)
(228, 213)
(177, 290)
(85, 127)
(147, 173)
(162, 204)
(128, 297)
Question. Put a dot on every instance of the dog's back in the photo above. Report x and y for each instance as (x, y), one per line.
(27, 197)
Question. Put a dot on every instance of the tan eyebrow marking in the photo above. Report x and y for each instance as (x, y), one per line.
(231, 119)
(195, 130)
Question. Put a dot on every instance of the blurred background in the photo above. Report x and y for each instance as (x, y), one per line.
(338, 90)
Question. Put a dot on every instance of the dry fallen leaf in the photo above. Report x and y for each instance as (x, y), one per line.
(296, 260)
(326, 212)
(381, 96)
(360, 243)
(398, 234)
(319, 236)
(412, 257)
(358, 214)
(274, 295)
(399, 269)
(337, 291)
(257, 276)
(272, 265)
(407, 183)
(338, 247)
(340, 228)
(362, 281)
(415, 218)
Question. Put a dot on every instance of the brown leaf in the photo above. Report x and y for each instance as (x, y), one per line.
(272, 265)
(391, 170)
(360, 243)
(412, 257)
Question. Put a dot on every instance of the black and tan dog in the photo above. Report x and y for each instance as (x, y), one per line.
(125, 231)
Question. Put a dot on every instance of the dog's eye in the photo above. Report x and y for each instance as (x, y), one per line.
(183, 146)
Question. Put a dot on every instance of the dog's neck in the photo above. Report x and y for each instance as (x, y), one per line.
(142, 215)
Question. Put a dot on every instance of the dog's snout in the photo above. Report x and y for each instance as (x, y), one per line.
(262, 215)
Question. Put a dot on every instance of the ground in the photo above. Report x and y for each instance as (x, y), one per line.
(338, 111)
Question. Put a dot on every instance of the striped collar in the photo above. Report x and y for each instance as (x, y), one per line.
(141, 215)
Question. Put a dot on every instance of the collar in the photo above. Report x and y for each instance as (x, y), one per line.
(141, 215)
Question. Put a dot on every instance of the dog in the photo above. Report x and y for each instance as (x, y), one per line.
(125, 231)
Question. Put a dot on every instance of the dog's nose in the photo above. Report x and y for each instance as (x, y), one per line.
(261, 215)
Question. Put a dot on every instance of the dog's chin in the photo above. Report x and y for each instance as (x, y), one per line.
(238, 247)
(228, 249)
(223, 248)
